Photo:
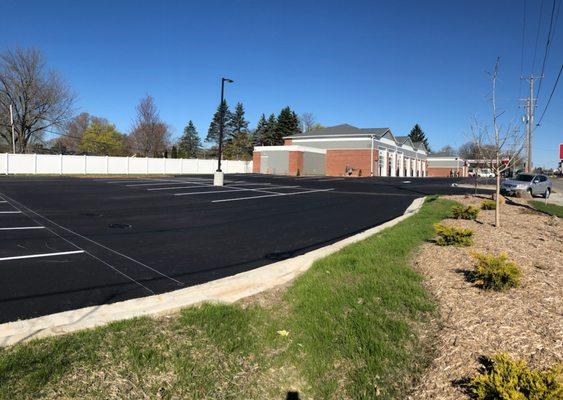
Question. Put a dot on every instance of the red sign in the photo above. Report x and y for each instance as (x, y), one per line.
(561, 151)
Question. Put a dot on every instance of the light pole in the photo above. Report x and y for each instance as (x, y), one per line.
(218, 176)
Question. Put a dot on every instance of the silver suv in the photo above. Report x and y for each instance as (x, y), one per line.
(534, 184)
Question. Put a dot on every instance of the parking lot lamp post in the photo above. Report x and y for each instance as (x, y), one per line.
(218, 176)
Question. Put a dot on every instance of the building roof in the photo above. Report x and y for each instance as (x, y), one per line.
(420, 146)
(342, 130)
(441, 154)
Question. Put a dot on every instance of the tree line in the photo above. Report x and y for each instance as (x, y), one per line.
(42, 106)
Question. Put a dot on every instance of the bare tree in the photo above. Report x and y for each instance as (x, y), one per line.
(448, 150)
(73, 131)
(149, 135)
(41, 100)
(308, 121)
(499, 147)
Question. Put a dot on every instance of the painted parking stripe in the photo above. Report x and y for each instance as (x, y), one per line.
(220, 191)
(236, 189)
(254, 183)
(3, 201)
(179, 187)
(163, 183)
(62, 253)
(330, 179)
(10, 212)
(21, 228)
(271, 195)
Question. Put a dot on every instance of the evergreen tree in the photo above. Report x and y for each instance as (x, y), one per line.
(189, 143)
(418, 135)
(213, 131)
(271, 135)
(258, 137)
(287, 124)
(174, 152)
(238, 144)
(237, 123)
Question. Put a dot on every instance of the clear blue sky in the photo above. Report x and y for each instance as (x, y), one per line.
(369, 64)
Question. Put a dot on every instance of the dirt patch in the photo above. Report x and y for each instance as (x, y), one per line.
(526, 322)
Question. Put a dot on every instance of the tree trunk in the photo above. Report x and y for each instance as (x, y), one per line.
(497, 202)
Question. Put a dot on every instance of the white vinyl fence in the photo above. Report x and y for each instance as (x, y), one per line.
(65, 164)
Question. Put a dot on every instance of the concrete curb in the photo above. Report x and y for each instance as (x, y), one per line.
(229, 290)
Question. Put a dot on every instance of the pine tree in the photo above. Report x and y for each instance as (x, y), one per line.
(288, 124)
(174, 152)
(271, 135)
(189, 143)
(238, 144)
(237, 123)
(418, 135)
(213, 131)
(258, 137)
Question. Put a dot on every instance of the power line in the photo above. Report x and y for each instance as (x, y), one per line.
(523, 47)
(547, 46)
(537, 38)
(551, 95)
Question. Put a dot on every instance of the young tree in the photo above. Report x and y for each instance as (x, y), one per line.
(499, 146)
(101, 138)
(189, 144)
(149, 135)
(258, 136)
(213, 131)
(40, 99)
(417, 135)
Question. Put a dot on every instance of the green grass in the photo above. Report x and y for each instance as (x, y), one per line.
(552, 209)
(352, 320)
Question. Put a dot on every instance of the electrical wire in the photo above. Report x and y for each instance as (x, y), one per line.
(547, 46)
(550, 96)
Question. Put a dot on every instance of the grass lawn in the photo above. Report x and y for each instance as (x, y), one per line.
(347, 328)
(552, 209)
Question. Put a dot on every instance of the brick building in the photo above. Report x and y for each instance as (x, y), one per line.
(446, 166)
(343, 150)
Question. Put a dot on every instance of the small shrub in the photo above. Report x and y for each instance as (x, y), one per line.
(452, 236)
(496, 272)
(488, 205)
(462, 212)
(508, 379)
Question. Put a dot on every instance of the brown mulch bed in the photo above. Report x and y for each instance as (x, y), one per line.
(526, 322)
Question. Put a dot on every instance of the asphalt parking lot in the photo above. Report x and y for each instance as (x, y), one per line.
(68, 243)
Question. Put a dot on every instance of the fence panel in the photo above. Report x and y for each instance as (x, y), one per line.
(79, 165)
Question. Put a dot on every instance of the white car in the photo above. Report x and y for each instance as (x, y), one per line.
(485, 173)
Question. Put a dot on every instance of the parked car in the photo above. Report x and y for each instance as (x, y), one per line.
(535, 184)
(485, 173)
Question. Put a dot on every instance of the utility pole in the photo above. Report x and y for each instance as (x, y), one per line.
(13, 135)
(529, 120)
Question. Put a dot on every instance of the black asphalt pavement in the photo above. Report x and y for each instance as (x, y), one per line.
(68, 243)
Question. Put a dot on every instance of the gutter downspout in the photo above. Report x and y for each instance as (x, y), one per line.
(371, 163)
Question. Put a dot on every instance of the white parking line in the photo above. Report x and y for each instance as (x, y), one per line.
(330, 179)
(180, 187)
(10, 212)
(21, 228)
(167, 183)
(139, 180)
(3, 201)
(254, 183)
(271, 195)
(210, 191)
(62, 253)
